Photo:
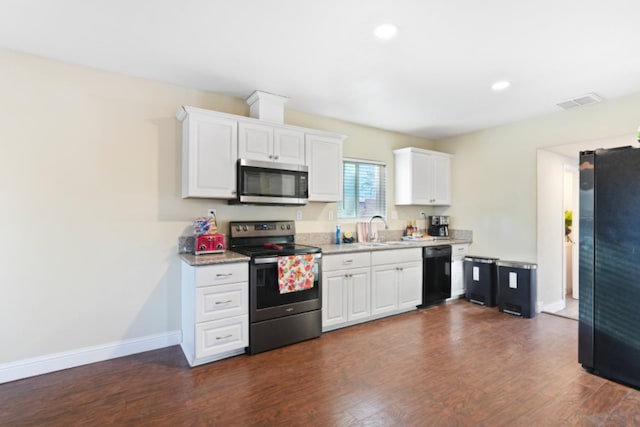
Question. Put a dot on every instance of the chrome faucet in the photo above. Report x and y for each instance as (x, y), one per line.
(374, 237)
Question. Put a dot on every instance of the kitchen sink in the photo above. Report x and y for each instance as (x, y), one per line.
(399, 243)
(372, 244)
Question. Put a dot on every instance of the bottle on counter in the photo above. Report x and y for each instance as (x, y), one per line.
(338, 234)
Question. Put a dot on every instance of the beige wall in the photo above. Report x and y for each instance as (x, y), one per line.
(494, 177)
(91, 207)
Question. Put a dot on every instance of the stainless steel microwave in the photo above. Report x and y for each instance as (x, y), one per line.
(272, 183)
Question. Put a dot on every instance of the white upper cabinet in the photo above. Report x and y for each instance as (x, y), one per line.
(209, 154)
(422, 177)
(212, 143)
(288, 146)
(324, 159)
(268, 143)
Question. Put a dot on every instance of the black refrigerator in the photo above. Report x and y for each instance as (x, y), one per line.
(609, 269)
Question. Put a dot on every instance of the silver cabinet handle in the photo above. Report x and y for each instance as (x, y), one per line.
(224, 302)
(223, 275)
(347, 261)
(224, 337)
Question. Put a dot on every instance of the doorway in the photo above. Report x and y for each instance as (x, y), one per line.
(553, 164)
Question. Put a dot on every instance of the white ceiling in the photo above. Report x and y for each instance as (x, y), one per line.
(432, 80)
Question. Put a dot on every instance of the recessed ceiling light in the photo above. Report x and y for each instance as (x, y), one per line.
(386, 31)
(501, 85)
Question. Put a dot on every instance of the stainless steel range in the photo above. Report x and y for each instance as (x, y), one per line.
(285, 295)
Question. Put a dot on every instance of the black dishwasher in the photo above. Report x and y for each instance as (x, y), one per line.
(436, 274)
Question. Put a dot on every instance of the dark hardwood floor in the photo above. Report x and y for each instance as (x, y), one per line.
(453, 365)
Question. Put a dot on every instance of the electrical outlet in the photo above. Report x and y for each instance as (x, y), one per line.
(212, 212)
(298, 215)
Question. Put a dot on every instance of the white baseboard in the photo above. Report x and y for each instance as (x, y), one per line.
(69, 359)
(554, 306)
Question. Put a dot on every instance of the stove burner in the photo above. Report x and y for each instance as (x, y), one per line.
(273, 246)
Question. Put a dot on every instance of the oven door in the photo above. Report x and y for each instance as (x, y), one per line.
(265, 299)
(272, 183)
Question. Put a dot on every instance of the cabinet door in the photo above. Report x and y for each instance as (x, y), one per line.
(421, 178)
(324, 158)
(410, 284)
(334, 298)
(209, 155)
(359, 294)
(457, 281)
(220, 336)
(384, 289)
(255, 141)
(441, 180)
(221, 301)
(288, 146)
(220, 274)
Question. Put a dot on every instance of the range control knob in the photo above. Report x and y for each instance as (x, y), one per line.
(244, 228)
(237, 228)
(203, 247)
(282, 227)
(219, 246)
(288, 226)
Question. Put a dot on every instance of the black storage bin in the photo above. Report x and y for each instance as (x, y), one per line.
(481, 280)
(517, 288)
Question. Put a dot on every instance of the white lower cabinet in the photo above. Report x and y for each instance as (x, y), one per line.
(458, 252)
(384, 289)
(215, 311)
(366, 285)
(396, 280)
(346, 288)
(410, 285)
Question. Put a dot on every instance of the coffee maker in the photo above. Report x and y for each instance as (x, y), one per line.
(439, 226)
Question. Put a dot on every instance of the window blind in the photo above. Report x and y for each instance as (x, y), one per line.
(363, 188)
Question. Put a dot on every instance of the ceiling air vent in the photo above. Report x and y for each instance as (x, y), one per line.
(590, 98)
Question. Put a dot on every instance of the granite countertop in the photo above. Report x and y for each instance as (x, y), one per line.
(225, 257)
(327, 249)
(366, 247)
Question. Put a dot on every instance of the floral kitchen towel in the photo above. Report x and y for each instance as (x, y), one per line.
(295, 272)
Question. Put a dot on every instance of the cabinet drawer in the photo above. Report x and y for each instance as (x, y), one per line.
(346, 261)
(459, 251)
(220, 336)
(395, 256)
(222, 273)
(221, 301)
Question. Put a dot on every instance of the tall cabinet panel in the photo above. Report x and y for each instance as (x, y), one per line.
(209, 154)
(324, 159)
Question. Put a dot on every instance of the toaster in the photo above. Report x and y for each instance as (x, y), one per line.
(209, 244)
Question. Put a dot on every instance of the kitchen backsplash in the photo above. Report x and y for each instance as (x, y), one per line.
(186, 243)
(461, 234)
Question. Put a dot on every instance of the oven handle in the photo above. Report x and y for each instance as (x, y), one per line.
(274, 259)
